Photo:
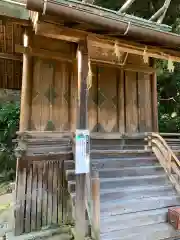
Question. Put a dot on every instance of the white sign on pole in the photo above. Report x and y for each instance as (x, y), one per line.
(82, 157)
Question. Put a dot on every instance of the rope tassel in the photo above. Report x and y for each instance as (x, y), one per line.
(90, 75)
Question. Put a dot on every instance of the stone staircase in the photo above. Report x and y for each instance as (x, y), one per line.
(135, 192)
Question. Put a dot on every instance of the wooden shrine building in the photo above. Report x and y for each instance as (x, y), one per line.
(86, 67)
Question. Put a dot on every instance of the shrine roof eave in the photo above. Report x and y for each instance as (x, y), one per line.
(103, 21)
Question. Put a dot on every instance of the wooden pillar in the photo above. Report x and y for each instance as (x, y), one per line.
(154, 100)
(24, 125)
(96, 205)
(26, 85)
(80, 209)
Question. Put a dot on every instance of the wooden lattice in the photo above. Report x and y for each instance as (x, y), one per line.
(10, 70)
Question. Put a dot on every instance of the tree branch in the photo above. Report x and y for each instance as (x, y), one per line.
(126, 5)
(160, 14)
(167, 99)
(88, 1)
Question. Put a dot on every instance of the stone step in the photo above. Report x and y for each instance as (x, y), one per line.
(47, 149)
(159, 179)
(131, 220)
(137, 192)
(113, 142)
(127, 182)
(115, 207)
(117, 147)
(117, 152)
(133, 193)
(123, 172)
(130, 171)
(150, 232)
(125, 162)
(118, 162)
(129, 155)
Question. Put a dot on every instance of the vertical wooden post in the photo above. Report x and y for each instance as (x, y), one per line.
(26, 85)
(154, 101)
(80, 209)
(24, 125)
(96, 205)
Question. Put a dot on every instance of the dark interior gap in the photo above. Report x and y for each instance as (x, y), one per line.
(124, 85)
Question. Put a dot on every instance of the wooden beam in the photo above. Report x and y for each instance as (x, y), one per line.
(44, 53)
(22, 22)
(127, 67)
(80, 208)
(104, 42)
(9, 56)
(70, 58)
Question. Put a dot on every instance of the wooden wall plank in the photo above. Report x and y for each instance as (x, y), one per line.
(20, 198)
(148, 102)
(141, 103)
(92, 102)
(50, 185)
(136, 60)
(61, 101)
(54, 45)
(39, 195)
(107, 100)
(60, 191)
(74, 95)
(36, 95)
(144, 99)
(131, 102)
(28, 200)
(55, 191)
(121, 101)
(45, 194)
(34, 198)
(47, 94)
(154, 102)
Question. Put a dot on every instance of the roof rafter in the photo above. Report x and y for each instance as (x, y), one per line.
(160, 14)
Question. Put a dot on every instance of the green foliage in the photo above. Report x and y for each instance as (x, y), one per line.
(168, 97)
(145, 8)
(9, 122)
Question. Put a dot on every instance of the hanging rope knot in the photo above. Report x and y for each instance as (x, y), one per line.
(127, 29)
(44, 7)
(90, 75)
(145, 55)
(120, 54)
(170, 65)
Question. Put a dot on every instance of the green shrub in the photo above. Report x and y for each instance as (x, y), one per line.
(9, 123)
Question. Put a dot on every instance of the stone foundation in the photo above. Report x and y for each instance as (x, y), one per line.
(7, 95)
